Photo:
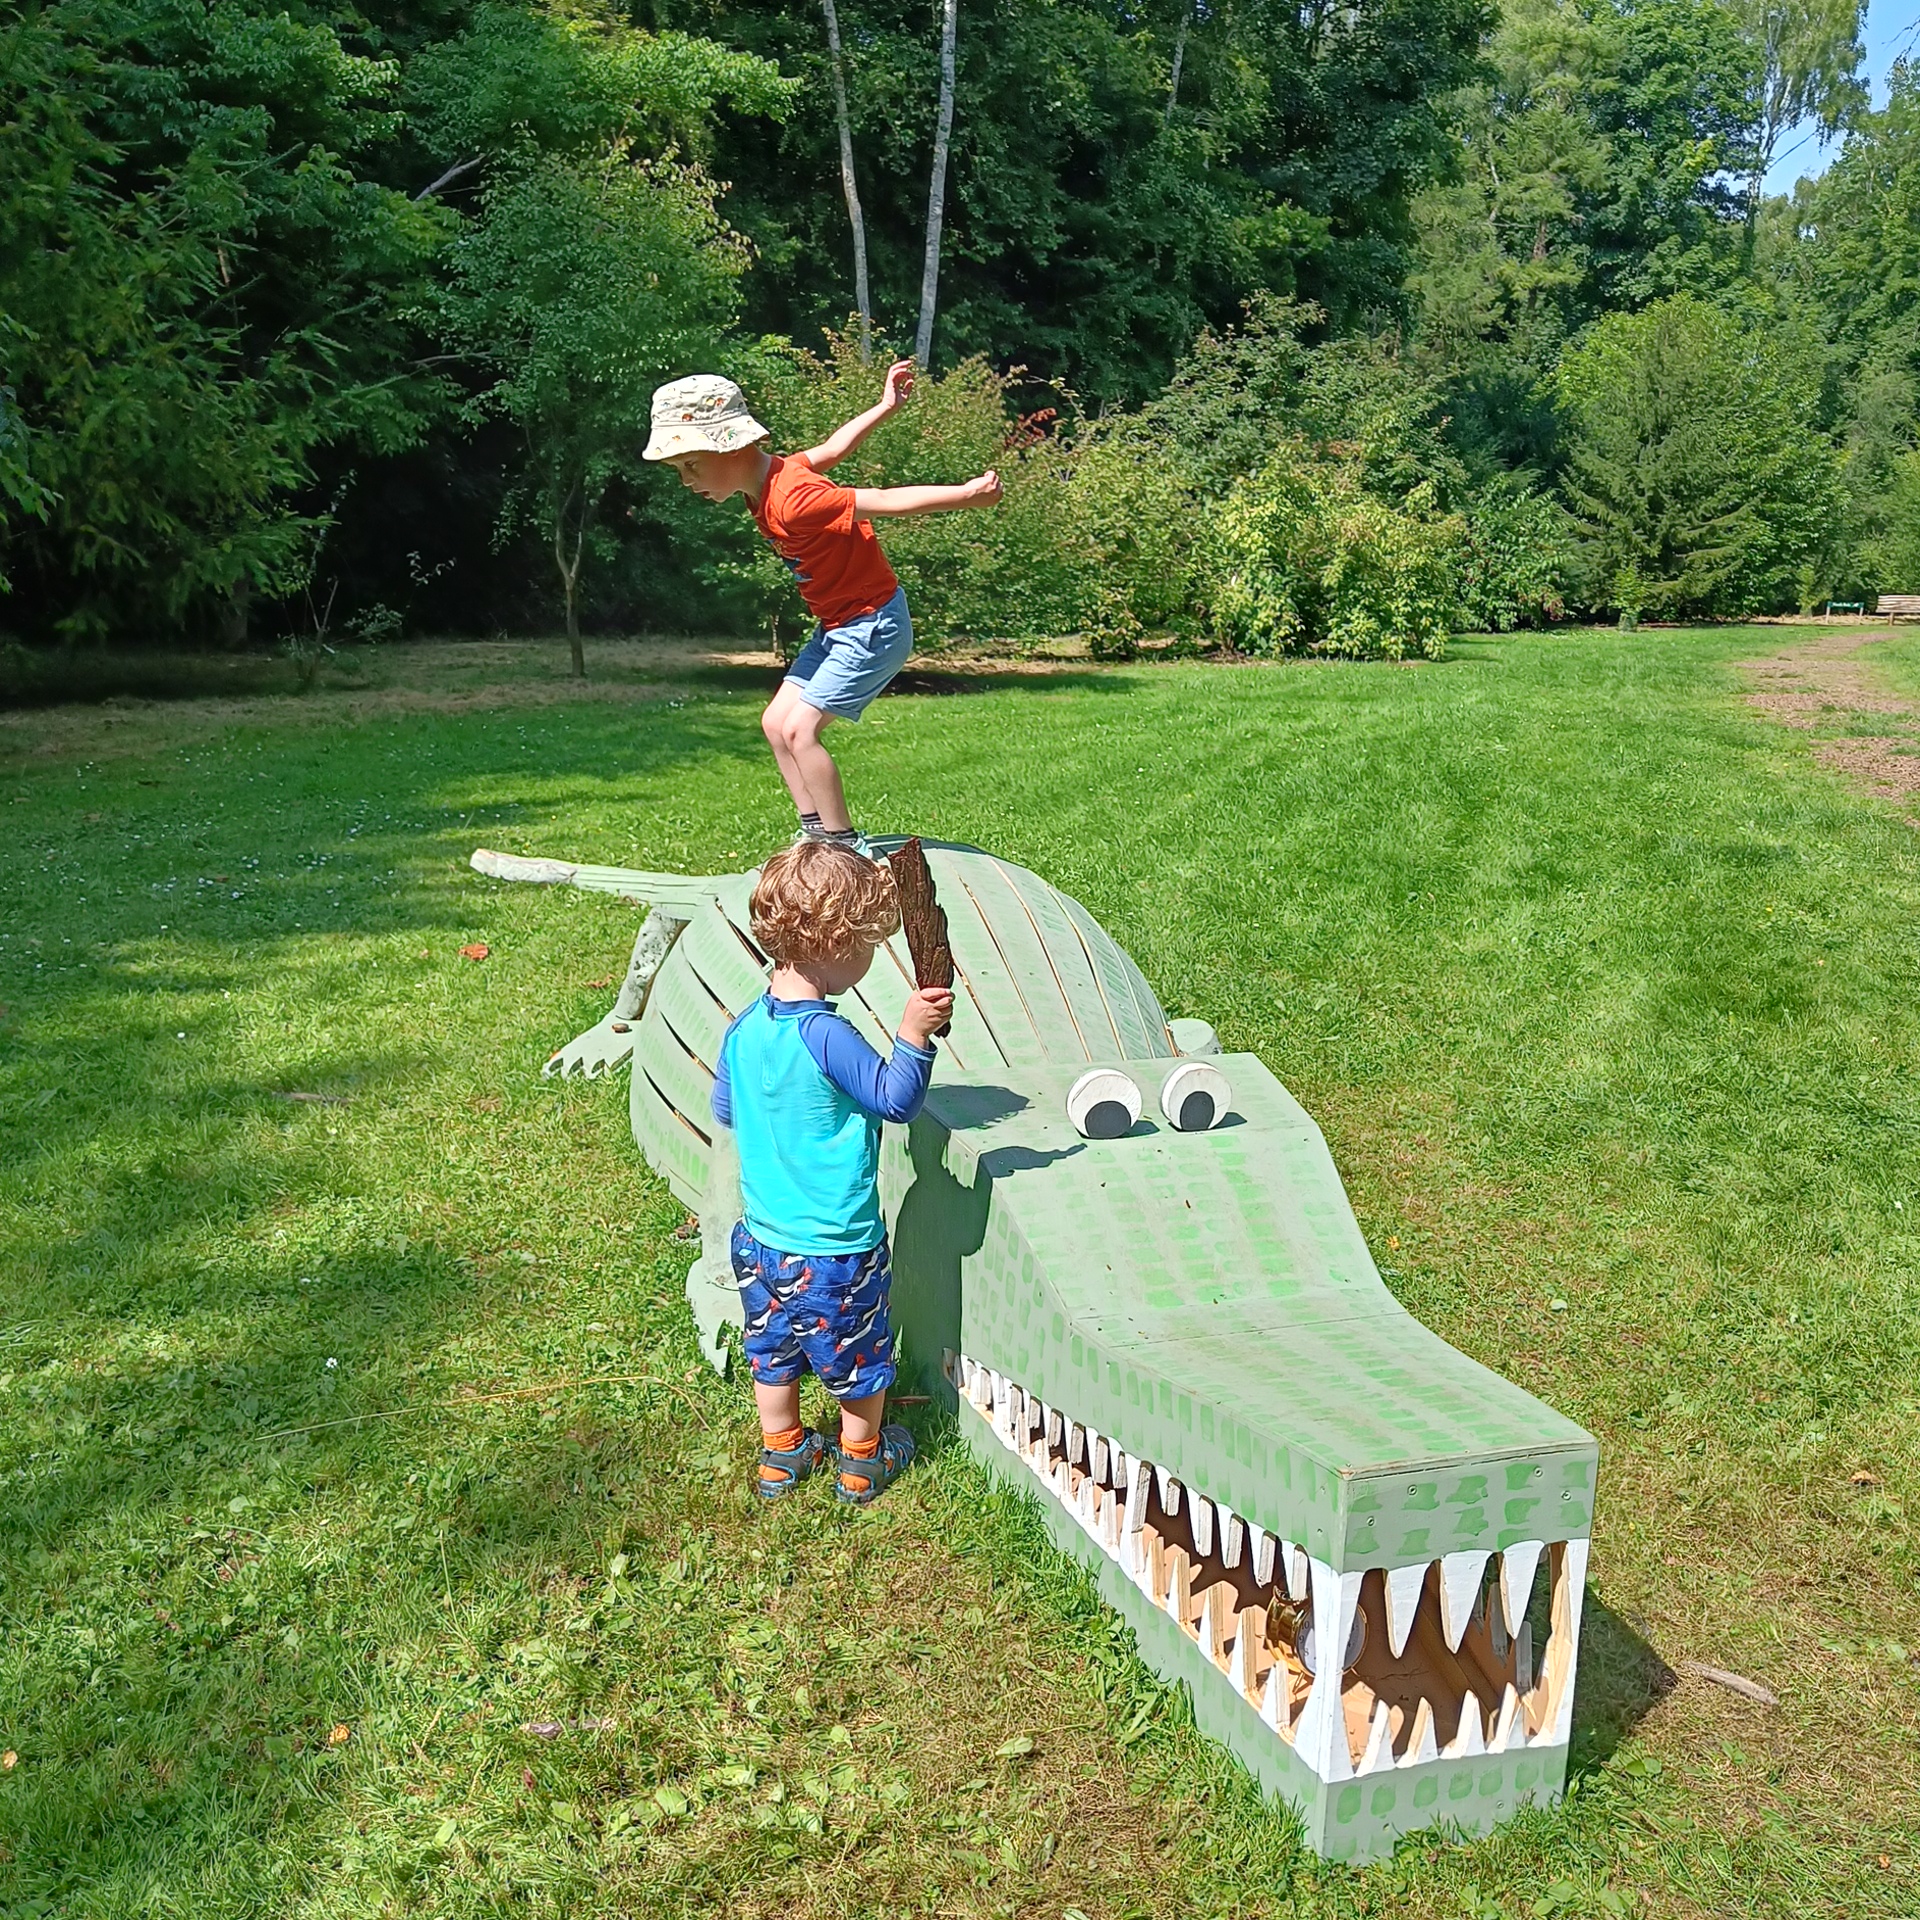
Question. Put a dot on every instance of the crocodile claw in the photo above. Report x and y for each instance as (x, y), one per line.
(604, 1046)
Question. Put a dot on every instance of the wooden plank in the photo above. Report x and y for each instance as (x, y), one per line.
(1134, 1030)
(1024, 955)
(1072, 963)
(687, 1085)
(1151, 1011)
(714, 951)
(691, 1011)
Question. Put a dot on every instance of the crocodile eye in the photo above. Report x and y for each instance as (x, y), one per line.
(1195, 1097)
(1103, 1103)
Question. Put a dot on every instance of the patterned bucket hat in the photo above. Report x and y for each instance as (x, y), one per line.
(704, 413)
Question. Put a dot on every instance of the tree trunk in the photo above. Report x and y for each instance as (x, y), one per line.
(570, 576)
(1179, 60)
(855, 219)
(937, 190)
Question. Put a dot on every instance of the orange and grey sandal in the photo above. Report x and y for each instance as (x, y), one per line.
(782, 1469)
(863, 1481)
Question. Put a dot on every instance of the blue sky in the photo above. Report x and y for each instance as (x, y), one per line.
(1890, 32)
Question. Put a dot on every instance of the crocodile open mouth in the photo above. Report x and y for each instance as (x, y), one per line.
(1469, 1654)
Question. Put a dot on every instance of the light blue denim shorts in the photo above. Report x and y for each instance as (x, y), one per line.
(841, 670)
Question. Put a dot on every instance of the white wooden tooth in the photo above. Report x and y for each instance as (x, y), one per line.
(1179, 1600)
(1523, 1657)
(1056, 1428)
(1200, 1522)
(1322, 1737)
(1566, 1619)
(1294, 1560)
(1403, 1587)
(1139, 1479)
(1461, 1575)
(1379, 1754)
(1517, 1566)
(1261, 1543)
(1248, 1635)
(1472, 1737)
(1213, 1622)
(980, 1389)
(1076, 1444)
(1276, 1704)
(1510, 1730)
(1169, 1491)
(1232, 1530)
(1097, 1455)
(1421, 1745)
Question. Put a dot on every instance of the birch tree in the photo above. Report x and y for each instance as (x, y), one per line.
(862, 299)
(937, 189)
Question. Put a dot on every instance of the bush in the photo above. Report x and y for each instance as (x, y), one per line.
(1517, 559)
(1305, 559)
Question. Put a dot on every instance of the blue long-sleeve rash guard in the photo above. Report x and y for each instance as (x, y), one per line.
(805, 1095)
(891, 1089)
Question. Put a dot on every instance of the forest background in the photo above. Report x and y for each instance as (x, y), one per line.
(1290, 327)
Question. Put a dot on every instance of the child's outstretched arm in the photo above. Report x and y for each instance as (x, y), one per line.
(842, 440)
(893, 503)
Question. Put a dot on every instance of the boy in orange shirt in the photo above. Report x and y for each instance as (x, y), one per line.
(704, 428)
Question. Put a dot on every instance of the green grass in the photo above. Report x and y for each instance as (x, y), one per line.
(1603, 991)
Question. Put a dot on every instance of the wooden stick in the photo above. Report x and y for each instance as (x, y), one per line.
(922, 918)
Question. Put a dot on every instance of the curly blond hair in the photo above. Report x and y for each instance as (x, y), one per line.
(816, 901)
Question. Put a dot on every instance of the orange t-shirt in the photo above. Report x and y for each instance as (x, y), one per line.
(835, 558)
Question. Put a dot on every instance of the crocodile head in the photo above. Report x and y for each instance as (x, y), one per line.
(1362, 1552)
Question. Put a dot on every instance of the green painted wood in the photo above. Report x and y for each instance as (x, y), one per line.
(1092, 1013)
(691, 1011)
(1049, 1006)
(1140, 1033)
(677, 1155)
(981, 971)
(684, 1081)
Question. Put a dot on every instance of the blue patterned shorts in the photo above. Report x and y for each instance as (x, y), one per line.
(827, 1311)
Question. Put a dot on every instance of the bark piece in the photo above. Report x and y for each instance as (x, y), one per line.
(922, 918)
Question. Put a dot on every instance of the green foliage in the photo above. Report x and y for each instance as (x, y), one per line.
(1696, 472)
(581, 285)
(1304, 557)
(1518, 560)
(200, 295)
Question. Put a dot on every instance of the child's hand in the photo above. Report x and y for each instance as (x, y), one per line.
(983, 492)
(899, 384)
(928, 1010)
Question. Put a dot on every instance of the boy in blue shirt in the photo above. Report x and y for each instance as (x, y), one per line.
(805, 1095)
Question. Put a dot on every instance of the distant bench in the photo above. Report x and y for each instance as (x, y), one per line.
(1898, 606)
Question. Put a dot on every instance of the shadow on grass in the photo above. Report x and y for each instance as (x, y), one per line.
(1621, 1680)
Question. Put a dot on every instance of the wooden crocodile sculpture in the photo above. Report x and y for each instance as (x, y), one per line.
(1176, 1339)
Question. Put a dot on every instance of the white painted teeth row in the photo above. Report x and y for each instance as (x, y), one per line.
(1478, 1651)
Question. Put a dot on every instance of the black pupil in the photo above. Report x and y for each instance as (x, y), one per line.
(1107, 1120)
(1196, 1112)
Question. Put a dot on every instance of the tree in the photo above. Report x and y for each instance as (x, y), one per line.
(1809, 53)
(862, 294)
(202, 297)
(937, 186)
(584, 283)
(1696, 471)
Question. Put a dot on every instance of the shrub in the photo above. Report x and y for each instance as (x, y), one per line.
(1517, 559)
(1305, 559)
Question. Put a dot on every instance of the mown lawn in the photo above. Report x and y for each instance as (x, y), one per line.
(325, 1590)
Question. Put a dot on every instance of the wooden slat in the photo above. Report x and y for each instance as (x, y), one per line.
(683, 1080)
(1072, 964)
(1136, 1031)
(669, 1144)
(982, 971)
(1152, 1014)
(716, 955)
(691, 1011)
(1025, 955)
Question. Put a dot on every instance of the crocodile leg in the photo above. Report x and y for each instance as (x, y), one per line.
(609, 1042)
